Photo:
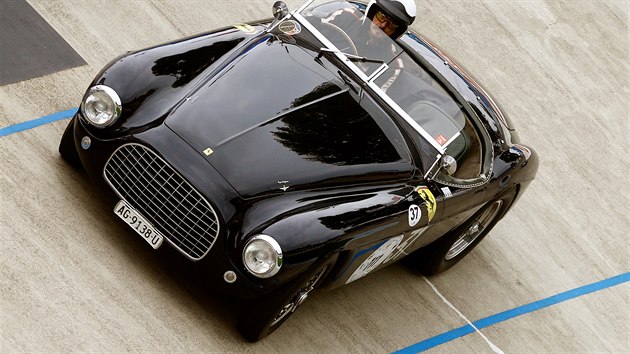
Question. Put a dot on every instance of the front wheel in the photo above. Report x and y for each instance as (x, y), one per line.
(451, 248)
(266, 315)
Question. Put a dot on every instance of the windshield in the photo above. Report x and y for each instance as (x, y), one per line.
(347, 29)
(345, 32)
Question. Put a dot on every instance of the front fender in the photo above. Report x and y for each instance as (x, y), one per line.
(316, 225)
(151, 82)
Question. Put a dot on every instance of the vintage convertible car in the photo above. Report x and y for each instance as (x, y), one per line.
(278, 157)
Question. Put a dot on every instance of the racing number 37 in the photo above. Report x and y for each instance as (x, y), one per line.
(414, 214)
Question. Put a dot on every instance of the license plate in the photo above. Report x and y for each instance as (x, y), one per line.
(138, 223)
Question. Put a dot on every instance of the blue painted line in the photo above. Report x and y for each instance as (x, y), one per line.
(521, 310)
(37, 122)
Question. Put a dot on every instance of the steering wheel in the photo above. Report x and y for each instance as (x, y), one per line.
(339, 38)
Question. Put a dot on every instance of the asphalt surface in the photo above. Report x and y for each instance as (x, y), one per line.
(74, 278)
(30, 46)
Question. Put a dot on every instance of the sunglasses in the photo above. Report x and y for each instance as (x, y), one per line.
(381, 17)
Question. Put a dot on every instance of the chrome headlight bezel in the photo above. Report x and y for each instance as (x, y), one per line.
(110, 104)
(272, 252)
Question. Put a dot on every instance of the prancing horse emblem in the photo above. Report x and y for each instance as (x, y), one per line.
(284, 186)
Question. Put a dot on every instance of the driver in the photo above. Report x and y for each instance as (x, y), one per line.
(370, 31)
(392, 17)
(382, 18)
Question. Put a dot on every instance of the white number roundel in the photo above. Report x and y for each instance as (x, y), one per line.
(414, 214)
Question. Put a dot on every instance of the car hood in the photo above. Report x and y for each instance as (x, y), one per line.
(271, 121)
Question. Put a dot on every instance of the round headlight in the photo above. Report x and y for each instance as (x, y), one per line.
(262, 256)
(101, 106)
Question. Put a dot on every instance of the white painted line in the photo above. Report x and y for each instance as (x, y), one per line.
(437, 292)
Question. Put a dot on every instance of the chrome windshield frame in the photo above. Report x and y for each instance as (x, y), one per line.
(369, 81)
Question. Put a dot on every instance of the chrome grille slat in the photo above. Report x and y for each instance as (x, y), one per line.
(151, 186)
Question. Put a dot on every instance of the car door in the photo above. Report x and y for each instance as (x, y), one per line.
(397, 216)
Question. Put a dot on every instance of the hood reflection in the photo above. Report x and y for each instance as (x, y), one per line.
(336, 132)
(186, 66)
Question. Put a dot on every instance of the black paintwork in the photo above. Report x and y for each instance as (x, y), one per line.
(273, 110)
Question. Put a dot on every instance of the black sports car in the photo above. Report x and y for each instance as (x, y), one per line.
(288, 154)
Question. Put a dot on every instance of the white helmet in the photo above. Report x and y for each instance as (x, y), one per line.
(401, 11)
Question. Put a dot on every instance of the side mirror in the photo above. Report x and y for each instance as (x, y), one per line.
(448, 164)
(279, 10)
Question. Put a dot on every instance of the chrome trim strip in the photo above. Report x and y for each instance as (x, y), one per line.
(371, 84)
(433, 170)
(451, 139)
(381, 69)
(407, 118)
(280, 115)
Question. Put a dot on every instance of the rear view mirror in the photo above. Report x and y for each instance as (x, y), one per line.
(448, 164)
(279, 10)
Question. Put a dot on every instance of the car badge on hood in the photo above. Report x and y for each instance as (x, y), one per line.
(284, 186)
(290, 28)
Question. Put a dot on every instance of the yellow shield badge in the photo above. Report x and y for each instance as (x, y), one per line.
(426, 195)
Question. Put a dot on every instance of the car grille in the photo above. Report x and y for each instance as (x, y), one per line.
(177, 210)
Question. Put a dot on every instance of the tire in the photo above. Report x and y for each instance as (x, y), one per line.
(67, 147)
(267, 314)
(451, 248)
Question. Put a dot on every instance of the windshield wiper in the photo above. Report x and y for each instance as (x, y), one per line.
(351, 57)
